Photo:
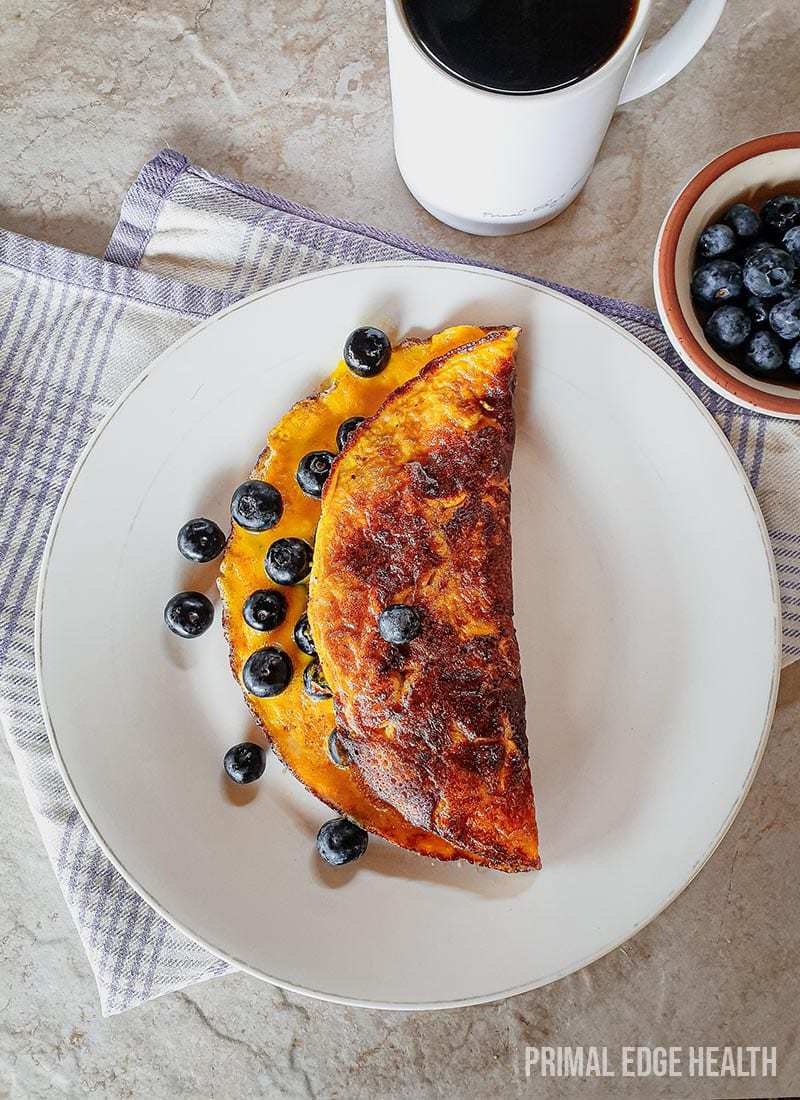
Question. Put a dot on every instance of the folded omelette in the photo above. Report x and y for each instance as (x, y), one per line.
(405, 708)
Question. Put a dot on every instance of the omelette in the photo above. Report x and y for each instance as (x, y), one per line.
(391, 685)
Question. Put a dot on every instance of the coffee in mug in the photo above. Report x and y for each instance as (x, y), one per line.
(520, 46)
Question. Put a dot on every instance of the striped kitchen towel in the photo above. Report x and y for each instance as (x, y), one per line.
(74, 331)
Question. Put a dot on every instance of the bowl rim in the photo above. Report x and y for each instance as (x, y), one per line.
(667, 291)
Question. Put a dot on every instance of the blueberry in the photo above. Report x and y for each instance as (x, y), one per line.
(189, 614)
(764, 355)
(337, 752)
(716, 240)
(728, 327)
(791, 242)
(200, 540)
(752, 249)
(265, 609)
(784, 318)
(399, 623)
(312, 472)
(267, 672)
(302, 637)
(793, 362)
(256, 506)
(288, 561)
(757, 309)
(346, 429)
(767, 271)
(367, 351)
(780, 214)
(716, 282)
(314, 681)
(743, 220)
(245, 763)
(341, 841)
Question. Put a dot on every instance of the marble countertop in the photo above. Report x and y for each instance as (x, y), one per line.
(295, 98)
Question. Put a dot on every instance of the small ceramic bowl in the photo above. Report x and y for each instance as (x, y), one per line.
(750, 173)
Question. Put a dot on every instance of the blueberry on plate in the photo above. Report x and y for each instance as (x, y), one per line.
(764, 353)
(791, 242)
(312, 472)
(256, 506)
(768, 271)
(367, 351)
(346, 429)
(341, 841)
(743, 220)
(757, 308)
(784, 318)
(314, 681)
(780, 214)
(793, 360)
(267, 672)
(302, 636)
(200, 540)
(337, 752)
(245, 763)
(288, 560)
(728, 326)
(716, 240)
(264, 609)
(399, 623)
(189, 614)
(716, 282)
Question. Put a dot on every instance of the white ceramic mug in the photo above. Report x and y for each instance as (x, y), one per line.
(495, 163)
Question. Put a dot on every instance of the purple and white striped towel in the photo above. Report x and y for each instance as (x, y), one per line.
(74, 331)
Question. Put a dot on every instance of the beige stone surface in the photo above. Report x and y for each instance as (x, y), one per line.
(294, 97)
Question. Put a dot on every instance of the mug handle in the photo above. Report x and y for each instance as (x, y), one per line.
(665, 58)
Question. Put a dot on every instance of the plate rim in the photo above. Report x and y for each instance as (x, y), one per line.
(523, 987)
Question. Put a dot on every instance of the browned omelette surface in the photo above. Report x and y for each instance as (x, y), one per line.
(417, 511)
(298, 726)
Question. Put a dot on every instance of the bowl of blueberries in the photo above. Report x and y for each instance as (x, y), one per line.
(727, 275)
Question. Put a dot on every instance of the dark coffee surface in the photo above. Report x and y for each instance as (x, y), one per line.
(520, 46)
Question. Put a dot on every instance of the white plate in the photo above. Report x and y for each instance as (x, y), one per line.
(646, 607)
